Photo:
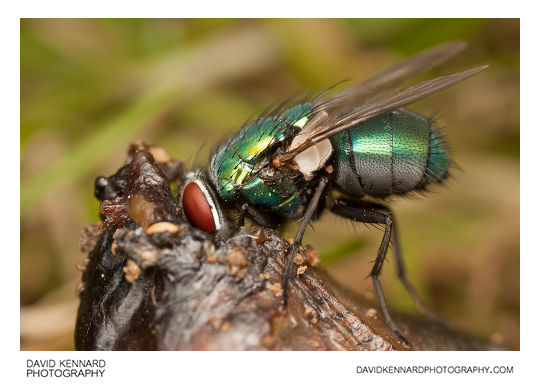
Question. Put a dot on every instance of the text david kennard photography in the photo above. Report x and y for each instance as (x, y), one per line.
(65, 368)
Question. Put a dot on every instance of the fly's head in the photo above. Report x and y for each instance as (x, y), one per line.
(200, 203)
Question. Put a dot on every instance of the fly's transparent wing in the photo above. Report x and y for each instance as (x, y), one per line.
(343, 101)
(399, 73)
(333, 122)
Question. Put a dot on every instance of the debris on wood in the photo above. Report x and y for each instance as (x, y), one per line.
(89, 236)
(167, 286)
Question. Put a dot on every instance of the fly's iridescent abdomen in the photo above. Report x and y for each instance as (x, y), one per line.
(394, 153)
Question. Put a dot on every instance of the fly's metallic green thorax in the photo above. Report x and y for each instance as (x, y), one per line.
(394, 153)
(232, 168)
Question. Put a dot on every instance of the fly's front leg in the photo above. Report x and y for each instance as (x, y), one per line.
(308, 215)
(262, 218)
(366, 212)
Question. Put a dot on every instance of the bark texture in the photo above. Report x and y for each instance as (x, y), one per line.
(152, 282)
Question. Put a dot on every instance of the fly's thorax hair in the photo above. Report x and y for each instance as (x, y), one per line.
(271, 111)
(307, 99)
(237, 159)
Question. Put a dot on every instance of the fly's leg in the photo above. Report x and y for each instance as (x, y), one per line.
(401, 274)
(400, 263)
(308, 215)
(262, 218)
(366, 212)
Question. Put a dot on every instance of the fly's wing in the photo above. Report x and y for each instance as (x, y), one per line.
(385, 80)
(338, 114)
(401, 72)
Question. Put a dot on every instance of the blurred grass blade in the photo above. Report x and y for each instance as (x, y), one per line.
(82, 157)
(157, 86)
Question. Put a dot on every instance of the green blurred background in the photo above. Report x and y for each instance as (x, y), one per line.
(90, 86)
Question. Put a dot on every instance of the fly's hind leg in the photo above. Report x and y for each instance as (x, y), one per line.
(401, 274)
(367, 212)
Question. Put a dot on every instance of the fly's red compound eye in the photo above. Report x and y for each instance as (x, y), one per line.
(197, 209)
